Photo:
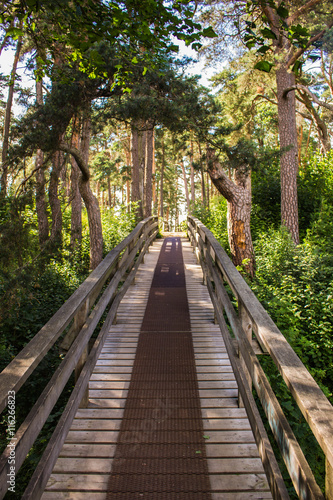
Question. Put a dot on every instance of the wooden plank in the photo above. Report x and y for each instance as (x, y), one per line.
(77, 482)
(87, 466)
(86, 450)
(239, 482)
(247, 495)
(99, 424)
(226, 424)
(235, 466)
(74, 495)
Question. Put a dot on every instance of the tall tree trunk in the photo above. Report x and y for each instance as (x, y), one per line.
(186, 187)
(109, 192)
(149, 172)
(192, 179)
(136, 172)
(288, 145)
(142, 167)
(154, 178)
(41, 207)
(55, 204)
(208, 192)
(238, 197)
(203, 187)
(91, 203)
(8, 112)
(76, 201)
(162, 184)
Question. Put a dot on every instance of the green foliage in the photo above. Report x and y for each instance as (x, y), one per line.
(215, 218)
(17, 232)
(117, 224)
(295, 285)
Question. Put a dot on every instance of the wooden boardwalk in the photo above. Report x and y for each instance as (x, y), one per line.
(83, 467)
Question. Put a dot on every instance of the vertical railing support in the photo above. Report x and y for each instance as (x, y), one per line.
(329, 481)
(247, 328)
(79, 320)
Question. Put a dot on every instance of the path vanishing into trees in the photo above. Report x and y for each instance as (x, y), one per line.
(163, 405)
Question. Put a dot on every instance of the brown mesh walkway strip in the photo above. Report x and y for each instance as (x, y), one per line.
(160, 453)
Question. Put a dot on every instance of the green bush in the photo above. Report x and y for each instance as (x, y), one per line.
(215, 218)
(295, 285)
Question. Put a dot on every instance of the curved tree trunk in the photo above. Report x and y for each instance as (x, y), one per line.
(76, 201)
(91, 203)
(238, 196)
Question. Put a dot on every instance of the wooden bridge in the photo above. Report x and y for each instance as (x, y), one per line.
(163, 406)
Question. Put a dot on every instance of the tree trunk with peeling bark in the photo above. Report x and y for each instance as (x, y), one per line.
(238, 196)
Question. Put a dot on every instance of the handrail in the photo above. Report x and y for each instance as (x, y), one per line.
(119, 266)
(253, 318)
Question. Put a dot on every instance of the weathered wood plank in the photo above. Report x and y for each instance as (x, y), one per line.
(86, 450)
(235, 466)
(239, 482)
(74, 495)
(77, 482)
(87, 466)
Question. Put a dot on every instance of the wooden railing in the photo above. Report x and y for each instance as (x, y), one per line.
(254, 331)
(82, 313)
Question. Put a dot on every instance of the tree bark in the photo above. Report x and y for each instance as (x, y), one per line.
(238, 197)
(76, 201)
(135, 198)
(91, 203)
(56, 214)
(8, 112)
(41, 207)
(162, 184)
(186, 187)
(192, 179)
(288, 145)
(149, 172)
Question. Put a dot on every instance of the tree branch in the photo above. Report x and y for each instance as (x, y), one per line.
(314, 98)
(79, 158)
(32, 173)
(291, 19)
(264, 97)
(301, 51)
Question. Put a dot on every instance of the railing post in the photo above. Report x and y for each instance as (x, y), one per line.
(247, 328)
(79, 320)
(329, 481)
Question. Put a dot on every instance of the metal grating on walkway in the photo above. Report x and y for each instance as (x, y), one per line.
(83, 468)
